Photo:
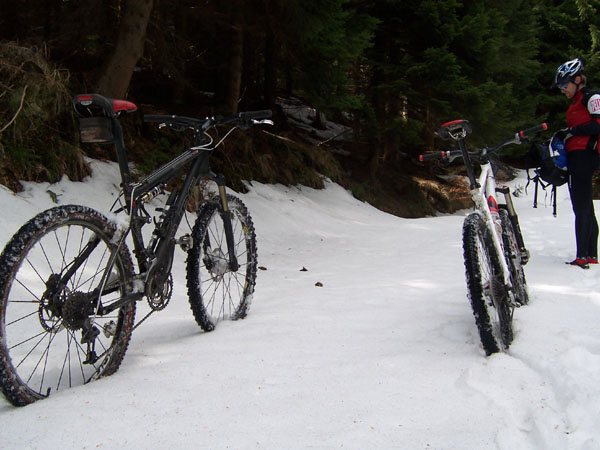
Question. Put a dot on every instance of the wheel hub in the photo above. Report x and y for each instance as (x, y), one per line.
(216, 262)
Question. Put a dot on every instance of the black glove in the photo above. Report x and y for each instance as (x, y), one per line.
(564, 134)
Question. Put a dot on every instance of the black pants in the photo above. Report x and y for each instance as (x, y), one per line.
(582, 164)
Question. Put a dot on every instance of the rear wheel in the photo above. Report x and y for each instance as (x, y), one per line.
(50, 272)
(487, 291)
(216, 291)
(513, 259)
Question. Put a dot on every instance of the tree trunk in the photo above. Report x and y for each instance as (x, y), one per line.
(270, 74)
(129, 48)
(236, 57)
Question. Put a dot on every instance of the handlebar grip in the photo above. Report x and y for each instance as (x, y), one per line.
(261, 114)
(436, 155)
(536, 129)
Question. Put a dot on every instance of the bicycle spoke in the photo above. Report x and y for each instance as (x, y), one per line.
(43, 355)
(34, 313)
(42, 333)
(28, 290)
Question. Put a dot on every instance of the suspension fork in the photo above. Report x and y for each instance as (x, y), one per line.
(512, 214)
(226, 216)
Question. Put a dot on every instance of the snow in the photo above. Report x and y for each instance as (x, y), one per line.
(384, 355)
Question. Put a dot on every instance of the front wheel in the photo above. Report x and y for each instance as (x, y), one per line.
(50, 337)
(513, 259)
(216, 290)
(487, 290)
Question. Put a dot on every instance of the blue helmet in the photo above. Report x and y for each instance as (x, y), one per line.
(567, 72)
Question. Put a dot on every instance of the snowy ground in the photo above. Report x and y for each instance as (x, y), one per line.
(384, 355)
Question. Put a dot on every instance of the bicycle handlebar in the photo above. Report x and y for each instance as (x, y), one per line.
(541, 127)
(516, 139)
(179, 123)
(437, 155)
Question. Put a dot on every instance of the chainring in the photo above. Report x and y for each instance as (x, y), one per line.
(158, 298)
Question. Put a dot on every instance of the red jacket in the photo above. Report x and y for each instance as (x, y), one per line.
(583, 120)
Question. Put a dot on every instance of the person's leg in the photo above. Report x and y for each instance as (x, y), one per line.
(582, 164)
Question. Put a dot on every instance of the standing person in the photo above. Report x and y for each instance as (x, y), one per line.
(581, 141)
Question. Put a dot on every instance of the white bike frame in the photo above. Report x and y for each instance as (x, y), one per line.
(485, 201)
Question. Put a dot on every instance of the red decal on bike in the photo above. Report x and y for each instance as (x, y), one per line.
(492, 204)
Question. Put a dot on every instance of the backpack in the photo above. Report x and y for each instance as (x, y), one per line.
(549, 161)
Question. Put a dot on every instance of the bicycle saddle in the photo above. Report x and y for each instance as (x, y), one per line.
(455, 129)
(92, 105)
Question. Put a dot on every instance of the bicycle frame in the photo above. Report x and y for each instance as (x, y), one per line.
(483, 194)
(70, 288)
(483, 189)
(493, 246)
(155, 259)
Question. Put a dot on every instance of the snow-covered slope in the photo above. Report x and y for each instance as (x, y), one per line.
(385, 354)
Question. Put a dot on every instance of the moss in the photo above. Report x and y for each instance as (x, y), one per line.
(37, 136)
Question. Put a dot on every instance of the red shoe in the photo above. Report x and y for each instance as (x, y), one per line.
(592, 260)
(579, 263)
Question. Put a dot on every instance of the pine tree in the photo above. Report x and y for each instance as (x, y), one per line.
(435, 61)
(328, 38)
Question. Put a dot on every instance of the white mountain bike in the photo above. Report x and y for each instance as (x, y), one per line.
(494, 251)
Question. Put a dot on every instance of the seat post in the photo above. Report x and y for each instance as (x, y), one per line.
(121, 153)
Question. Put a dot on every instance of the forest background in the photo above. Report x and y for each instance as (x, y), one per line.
(390, 70)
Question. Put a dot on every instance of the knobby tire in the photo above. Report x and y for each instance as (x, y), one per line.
(215, 292)
(40, 339)
(512, 255)
(486, 288)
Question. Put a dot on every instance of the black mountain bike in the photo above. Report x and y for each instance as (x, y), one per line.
(68, 285)
(493, 246)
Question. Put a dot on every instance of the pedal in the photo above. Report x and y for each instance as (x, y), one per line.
(524, 256)
(186, 242)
